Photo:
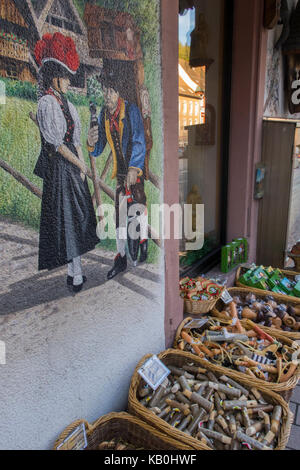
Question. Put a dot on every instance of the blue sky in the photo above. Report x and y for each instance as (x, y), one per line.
(186, 26)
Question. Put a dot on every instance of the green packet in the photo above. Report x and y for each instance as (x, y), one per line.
(261, 285)
(272, 283)
(286, 285)
(242, 248)
(260, 273)
(296, 290)
(270, 271)
(276, 290)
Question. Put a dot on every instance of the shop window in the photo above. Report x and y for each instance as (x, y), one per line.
(205, 47)
(12, 71)
(56, 22)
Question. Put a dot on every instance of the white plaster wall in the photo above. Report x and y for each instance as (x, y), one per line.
(75, 358)
(72, 358)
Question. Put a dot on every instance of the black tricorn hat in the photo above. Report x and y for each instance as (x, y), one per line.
(111, 76)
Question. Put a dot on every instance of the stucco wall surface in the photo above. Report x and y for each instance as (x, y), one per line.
(73, 358)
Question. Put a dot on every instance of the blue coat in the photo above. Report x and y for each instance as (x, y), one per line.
(132, 136)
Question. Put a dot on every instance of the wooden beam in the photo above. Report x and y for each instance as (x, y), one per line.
(155, 180)
(21, 179)
(43, 16)
(38, 192)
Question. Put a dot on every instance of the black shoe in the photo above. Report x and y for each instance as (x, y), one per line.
(144, 251)
(70, 280)
(77, 289)
(120, 265)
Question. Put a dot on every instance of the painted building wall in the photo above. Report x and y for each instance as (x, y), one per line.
(275, 99)
(72, 356)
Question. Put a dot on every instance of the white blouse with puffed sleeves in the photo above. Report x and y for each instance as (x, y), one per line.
(52, 122)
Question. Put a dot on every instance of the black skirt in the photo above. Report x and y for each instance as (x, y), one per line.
(68, 221)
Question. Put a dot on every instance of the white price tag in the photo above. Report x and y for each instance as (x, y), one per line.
(226, 297)
(154, 372)
(76, 440)
(195, 324)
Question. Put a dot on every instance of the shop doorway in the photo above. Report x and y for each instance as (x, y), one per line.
(279, 220)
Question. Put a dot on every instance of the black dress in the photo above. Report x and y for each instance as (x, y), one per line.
(68, 221)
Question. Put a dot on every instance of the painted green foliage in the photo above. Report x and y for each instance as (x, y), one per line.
(20, 139)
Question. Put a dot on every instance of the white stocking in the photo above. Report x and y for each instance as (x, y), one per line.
(143, 219)
(70, 269)
(121, 243)
(78, 279)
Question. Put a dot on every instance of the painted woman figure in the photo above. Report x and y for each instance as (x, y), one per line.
(68, 221)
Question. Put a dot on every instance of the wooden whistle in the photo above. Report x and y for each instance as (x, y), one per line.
(184, 408)
(190, 341)
(194, 397)
(275, 420)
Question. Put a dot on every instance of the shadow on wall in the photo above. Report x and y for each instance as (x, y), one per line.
(49, 287)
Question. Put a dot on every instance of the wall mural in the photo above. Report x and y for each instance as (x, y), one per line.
(80, 129)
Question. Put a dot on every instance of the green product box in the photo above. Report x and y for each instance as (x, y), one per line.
(235, 253)
(244, 279)
(278, 273)
(276, 279)
(270, 271)
(296, 290)
(260, 273)
(276, 290)
(286, 285)
(226, 259)
(261, 285)
(253, 280)
(243, 249)
(271, 283)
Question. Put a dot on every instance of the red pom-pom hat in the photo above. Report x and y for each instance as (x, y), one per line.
(59, 49)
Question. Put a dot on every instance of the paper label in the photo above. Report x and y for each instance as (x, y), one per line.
(76, 440)
(194, 324)
(154, 372)
(226, 297)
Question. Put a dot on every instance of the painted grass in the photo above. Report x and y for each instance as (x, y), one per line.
(20, 147)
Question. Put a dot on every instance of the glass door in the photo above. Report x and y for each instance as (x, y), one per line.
(204, 66)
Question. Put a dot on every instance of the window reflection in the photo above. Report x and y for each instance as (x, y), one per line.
(200, 75)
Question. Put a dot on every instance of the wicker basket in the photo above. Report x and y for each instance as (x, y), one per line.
(179, 358)
(285, 389)
(126, 427)
(284, 298)
(197, 307)
(235, 291)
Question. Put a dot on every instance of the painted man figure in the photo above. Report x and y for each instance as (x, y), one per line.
(120, 124)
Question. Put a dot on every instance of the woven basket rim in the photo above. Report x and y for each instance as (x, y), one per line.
(277, 387)
(260, 293)
(194, 307)
(119, 416)
(142, 412)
